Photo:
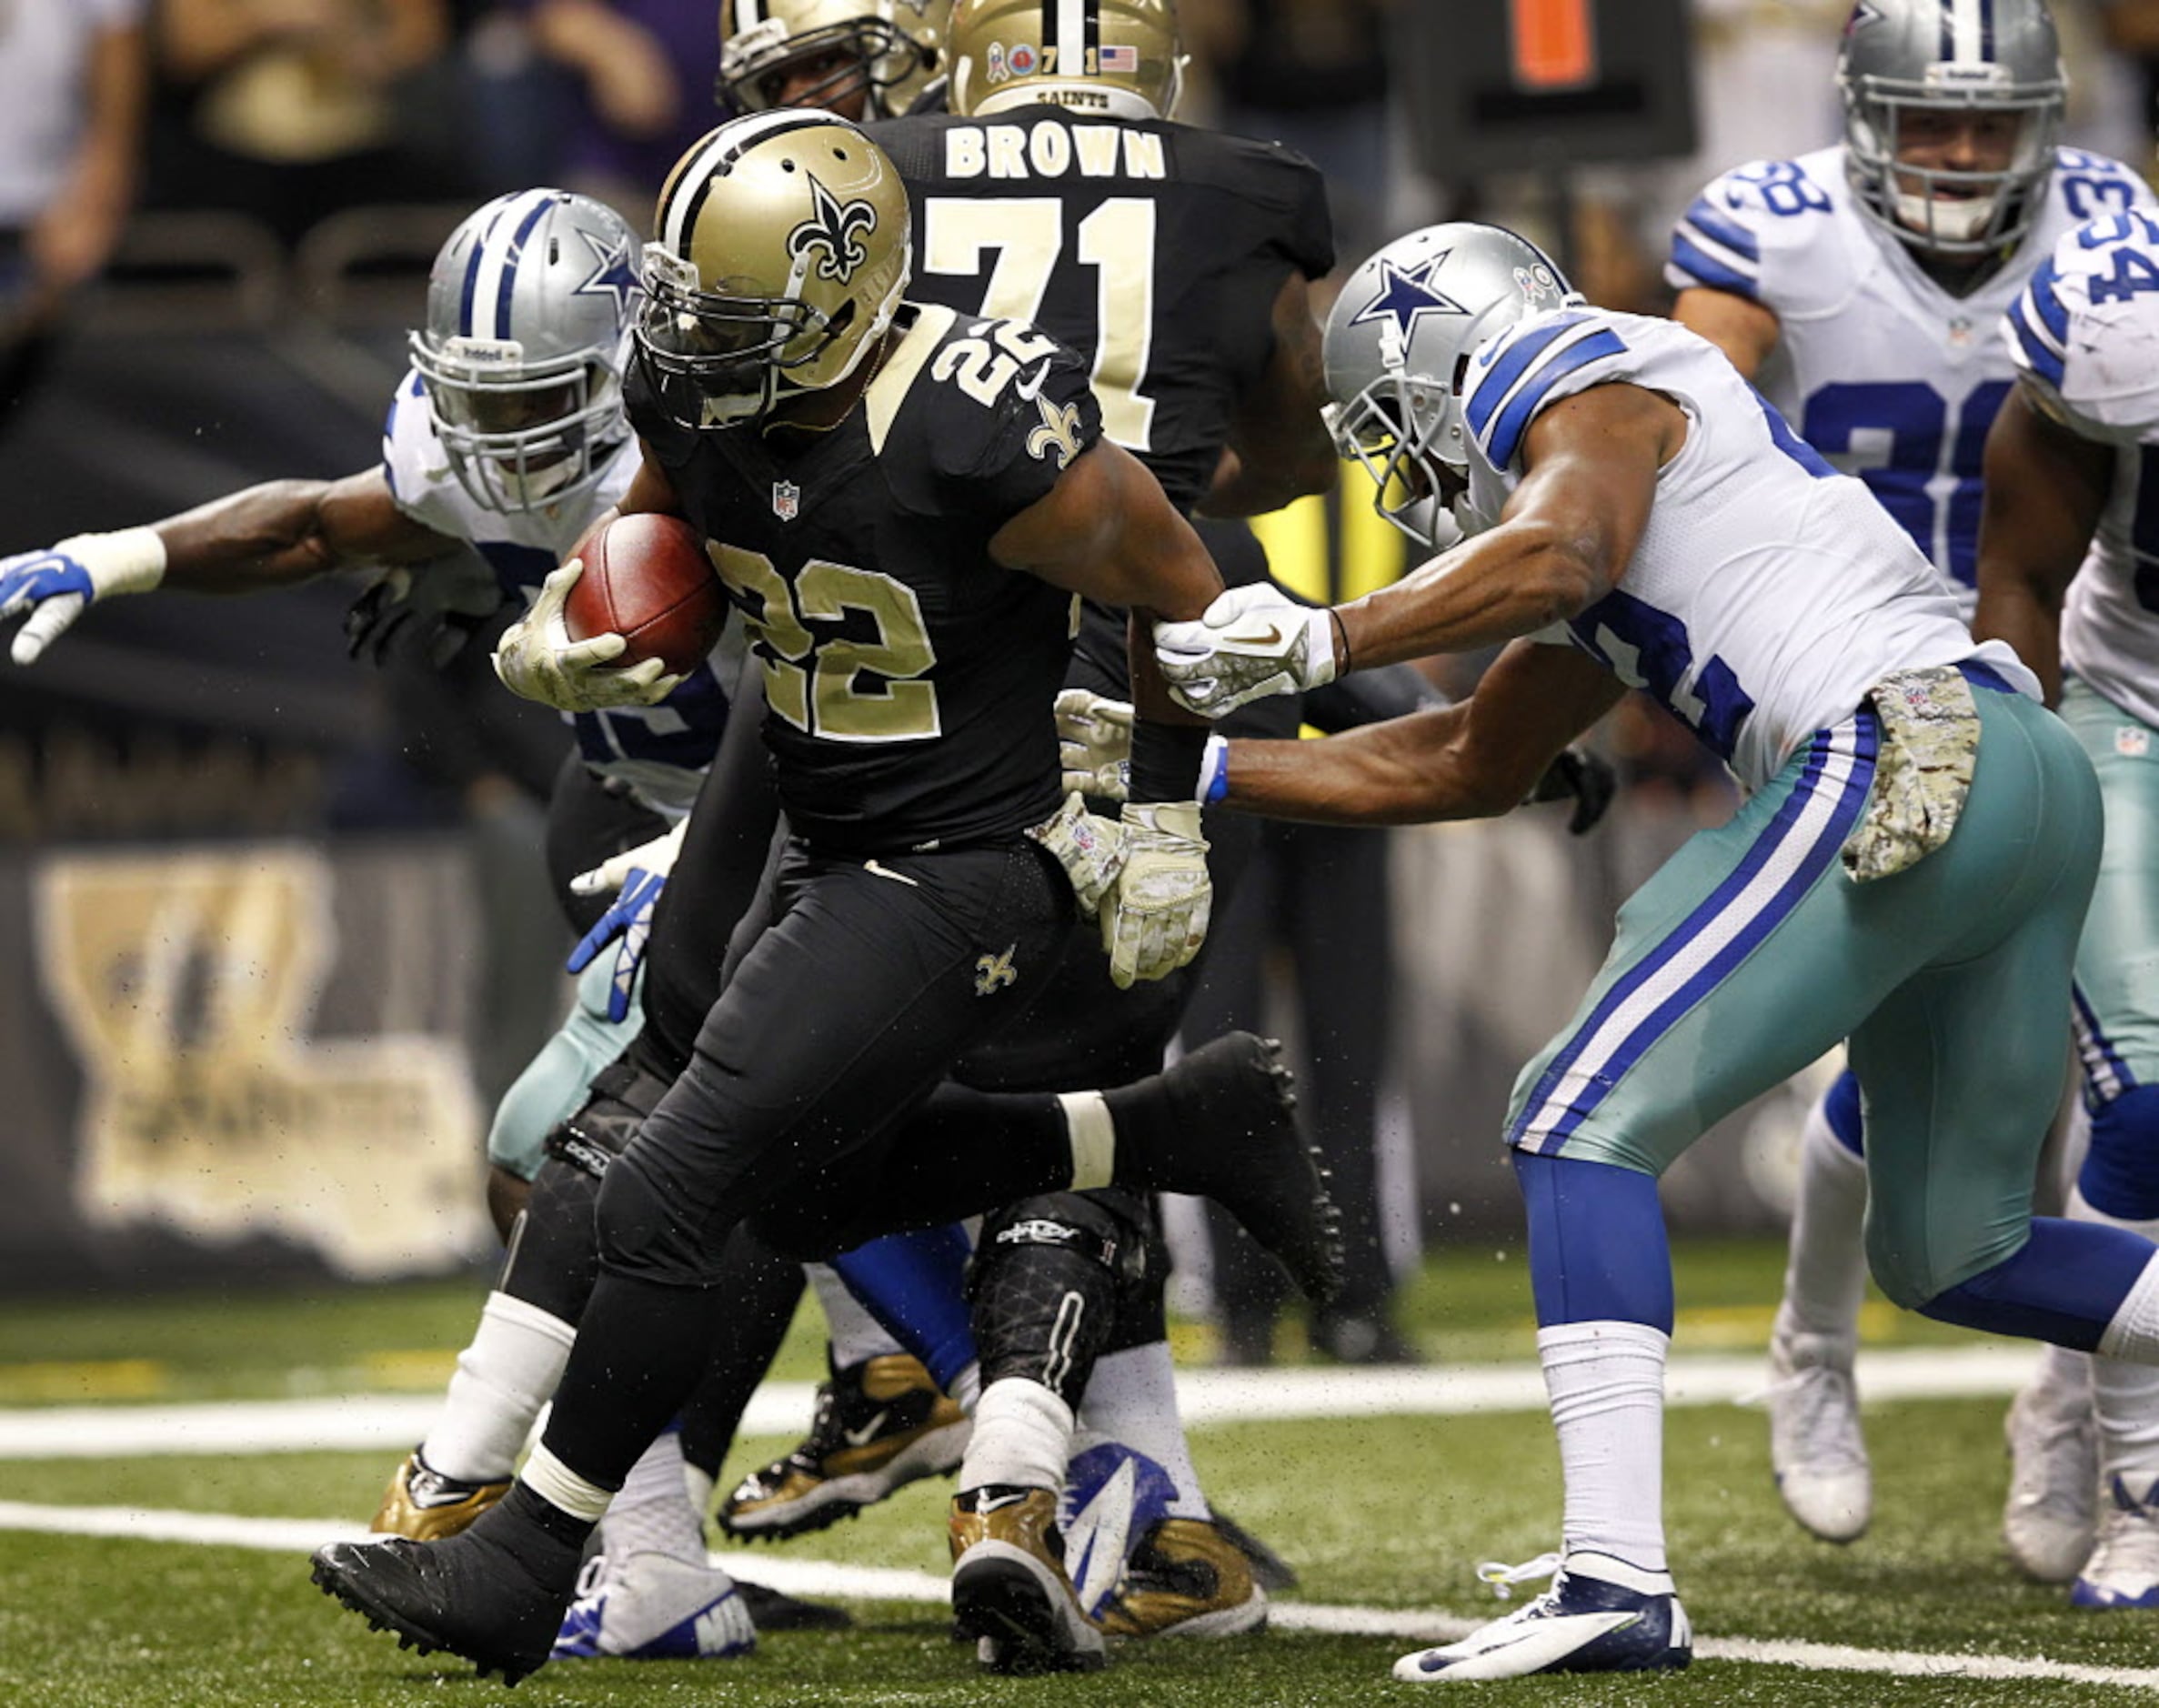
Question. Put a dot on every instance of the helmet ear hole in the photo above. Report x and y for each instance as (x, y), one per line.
(1461, 371)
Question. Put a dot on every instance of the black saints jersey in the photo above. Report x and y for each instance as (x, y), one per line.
(908, 677)
(1154, 248)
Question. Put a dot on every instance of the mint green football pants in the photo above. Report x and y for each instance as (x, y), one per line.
(2117, 964)
(554, 1082)
(1751, 953)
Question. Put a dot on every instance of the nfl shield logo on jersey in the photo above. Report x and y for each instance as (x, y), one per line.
(787, 499)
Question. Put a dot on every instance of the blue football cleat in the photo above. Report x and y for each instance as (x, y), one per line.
(654, 1607)
(1600, 1615)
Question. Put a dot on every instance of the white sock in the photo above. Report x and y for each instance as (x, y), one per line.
(653, 1513)
(1023, 1435)
(1093, 1134)
(856, 1336)
(1131, 1400)
(1825, 1275)
(555, 1484)
(502, 1380)
(1606, 1381)
(2124, 1396)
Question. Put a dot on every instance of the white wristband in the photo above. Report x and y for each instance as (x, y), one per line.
(131, 561)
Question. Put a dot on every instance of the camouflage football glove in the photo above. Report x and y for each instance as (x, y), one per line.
(1253, 641)
(56, 585)
(1155, 916)
(536, 658)
(1094, 743)
(1089, 847)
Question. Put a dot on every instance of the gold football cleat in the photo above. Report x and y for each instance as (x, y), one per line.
(427, 1506)
(1186, 1579)
(880, 1425)
(1009, 1588)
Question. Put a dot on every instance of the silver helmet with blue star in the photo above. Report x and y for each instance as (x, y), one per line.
(1398, 342)
(1910, 69)
(529, 309)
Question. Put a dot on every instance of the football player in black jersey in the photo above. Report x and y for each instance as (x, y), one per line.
(901, 505)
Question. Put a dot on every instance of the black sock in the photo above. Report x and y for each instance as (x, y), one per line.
(537, 1511)
(640, 1351)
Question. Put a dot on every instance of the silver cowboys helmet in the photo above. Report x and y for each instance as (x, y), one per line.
(1959, 57)
(1398, 344)
(530, 308)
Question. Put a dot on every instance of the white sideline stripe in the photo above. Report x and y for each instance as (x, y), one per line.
(1206, 1397)
(808, 1577)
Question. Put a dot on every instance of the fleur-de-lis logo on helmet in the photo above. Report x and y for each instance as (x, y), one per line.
(835, 230)
(1059, 432)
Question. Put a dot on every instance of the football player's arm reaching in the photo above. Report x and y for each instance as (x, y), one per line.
(1742, 328)
(1474, 759)
(264, 537)
(1563, 541)
(1279, 449)
(1106, 530)
(2046, 487)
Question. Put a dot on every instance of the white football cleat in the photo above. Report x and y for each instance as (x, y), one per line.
(655, 1607)
(1816, 1445)
(2049, 1520)
(1600, 1615)
(2124, 1567)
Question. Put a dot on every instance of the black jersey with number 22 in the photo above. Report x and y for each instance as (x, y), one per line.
(908, 677)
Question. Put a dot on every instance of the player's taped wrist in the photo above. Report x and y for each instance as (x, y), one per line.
(127, 560)
(1166, 759)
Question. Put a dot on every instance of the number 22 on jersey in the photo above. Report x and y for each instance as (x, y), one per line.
(1026, 234)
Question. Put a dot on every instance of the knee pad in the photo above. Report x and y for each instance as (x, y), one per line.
(1045, 1284)
(2121, 1173)
(621, 1096)
(1142, 1315)
(554, 1255)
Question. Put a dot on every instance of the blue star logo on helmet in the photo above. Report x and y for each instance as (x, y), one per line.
(612, 275)
(1406, 293)
(837, 231)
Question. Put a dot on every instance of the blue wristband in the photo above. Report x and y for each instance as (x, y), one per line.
(1214, 772)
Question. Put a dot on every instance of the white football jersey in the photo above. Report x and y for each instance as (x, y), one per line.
(660, 752)
(2085, 333)
(1769, 592)
(1887, 375)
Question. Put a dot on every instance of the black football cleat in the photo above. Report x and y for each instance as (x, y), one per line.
(1220, 1122)
(497, 1602)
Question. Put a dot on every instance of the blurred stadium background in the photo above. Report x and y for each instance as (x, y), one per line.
(274, 928)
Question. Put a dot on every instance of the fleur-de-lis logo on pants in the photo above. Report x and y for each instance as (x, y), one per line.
(994, 972)
(835, 230)
(1059, 432)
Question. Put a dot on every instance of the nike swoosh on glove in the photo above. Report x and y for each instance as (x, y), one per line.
(1252, 642)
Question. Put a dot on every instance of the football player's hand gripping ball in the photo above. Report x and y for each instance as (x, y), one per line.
(536, 658)
(1253, 641)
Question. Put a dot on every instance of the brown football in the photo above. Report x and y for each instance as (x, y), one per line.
(647, 577)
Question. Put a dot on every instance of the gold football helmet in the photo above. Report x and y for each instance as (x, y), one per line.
(780, 246)
(843, 55)
(922, 21)
(1120, 58)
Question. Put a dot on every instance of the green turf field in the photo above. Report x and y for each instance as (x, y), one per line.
(1381, 1514)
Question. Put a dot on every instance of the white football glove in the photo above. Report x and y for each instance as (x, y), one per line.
(536, 658)
(657, 856)
(1094, 743)
(1253, 641)
(1089, 848)
(56, 585)
(1154, 919)
(635, 877)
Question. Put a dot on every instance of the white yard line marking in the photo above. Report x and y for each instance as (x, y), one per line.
(1207, 1397)
(824, 1578)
